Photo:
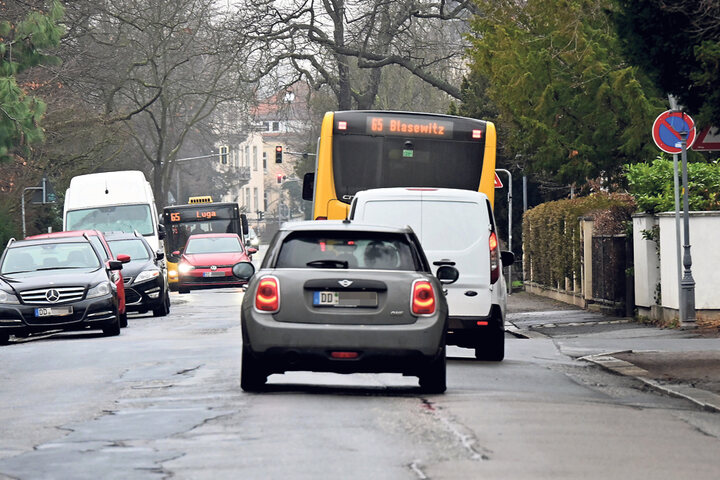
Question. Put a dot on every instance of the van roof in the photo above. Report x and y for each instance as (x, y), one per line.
(421, 192)
(109, 188)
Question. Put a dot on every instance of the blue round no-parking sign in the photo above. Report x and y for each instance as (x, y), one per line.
(667, 128)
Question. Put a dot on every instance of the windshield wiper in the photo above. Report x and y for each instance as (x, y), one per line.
(328, 264)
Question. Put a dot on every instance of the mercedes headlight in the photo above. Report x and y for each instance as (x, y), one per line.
(99, 290)
(185, 267)
(146, 275)
(8, 297)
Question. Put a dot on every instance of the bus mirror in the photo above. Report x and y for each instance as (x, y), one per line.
(308, 186)
(244, 222)
(161, 231)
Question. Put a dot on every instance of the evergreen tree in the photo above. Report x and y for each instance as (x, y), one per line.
(570, 104)
(22, 46)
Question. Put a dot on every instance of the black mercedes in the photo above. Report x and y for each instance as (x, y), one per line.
(56, 284)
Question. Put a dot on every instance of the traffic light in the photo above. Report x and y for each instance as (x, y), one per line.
(279, 177)
(260, 214)
(278, 154)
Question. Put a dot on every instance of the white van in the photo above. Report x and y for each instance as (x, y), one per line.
(113, 202)
(455, 227)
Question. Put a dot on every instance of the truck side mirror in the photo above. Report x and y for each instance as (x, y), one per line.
(507, 258)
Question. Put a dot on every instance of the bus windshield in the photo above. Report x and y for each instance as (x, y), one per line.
(362, 162)
(117, 218)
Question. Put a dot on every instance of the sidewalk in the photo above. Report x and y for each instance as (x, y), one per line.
(684, 368)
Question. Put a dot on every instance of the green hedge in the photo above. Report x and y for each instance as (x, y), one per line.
(652, 185)
(551, 234)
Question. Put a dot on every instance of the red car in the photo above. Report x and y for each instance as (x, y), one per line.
(207, 261)
(98, 241)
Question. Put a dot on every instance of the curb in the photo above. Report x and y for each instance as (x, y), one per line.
(707, 400)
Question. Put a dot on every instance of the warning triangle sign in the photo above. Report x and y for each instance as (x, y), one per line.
(498, 183)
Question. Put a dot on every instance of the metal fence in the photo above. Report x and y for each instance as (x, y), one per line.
(611, 263)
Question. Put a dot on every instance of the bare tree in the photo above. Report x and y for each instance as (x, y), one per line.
(161, 68)
(347, 44)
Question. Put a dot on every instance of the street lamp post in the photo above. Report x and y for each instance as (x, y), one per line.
(687, 283)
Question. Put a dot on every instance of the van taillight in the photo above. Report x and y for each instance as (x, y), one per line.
(423, 298)
(494, 258)
(267, 298)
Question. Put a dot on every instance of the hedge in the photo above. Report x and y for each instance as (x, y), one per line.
(551, 234)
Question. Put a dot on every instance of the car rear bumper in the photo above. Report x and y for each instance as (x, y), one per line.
(468, 331)
(265, 335)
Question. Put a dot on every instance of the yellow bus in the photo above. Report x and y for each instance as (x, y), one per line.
(181, 221)
(362, 149)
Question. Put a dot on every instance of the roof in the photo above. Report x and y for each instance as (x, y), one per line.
(40, 241)
(340, 226)
(66, 233)
(213, 235)
(422, 192)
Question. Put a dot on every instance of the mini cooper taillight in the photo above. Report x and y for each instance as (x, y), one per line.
(423, 298)
(494, 258)
(267, 297)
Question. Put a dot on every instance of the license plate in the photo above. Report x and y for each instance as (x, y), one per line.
(53, 311)
(344, 299)
(213, 274)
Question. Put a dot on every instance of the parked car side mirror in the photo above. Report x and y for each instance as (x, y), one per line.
(251, 250)
(159, 255)
(507, 257)
(176, 252)
(243, 270)
(447, 274)
(122, 258)
(114, 265)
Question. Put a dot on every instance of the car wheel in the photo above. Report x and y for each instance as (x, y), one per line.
(4, 338)
(252, 376)
(163, 309)
(434, 378)
(112, 329)
(123, 320)
(492, 348)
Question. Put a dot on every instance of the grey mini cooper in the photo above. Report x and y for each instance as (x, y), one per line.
(340, 296)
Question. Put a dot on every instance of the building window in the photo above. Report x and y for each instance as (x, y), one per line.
(264, 160)
(255, 198)
(224, 154)
(275, 126)
(247, 156)
(255, 163)
(247, 199)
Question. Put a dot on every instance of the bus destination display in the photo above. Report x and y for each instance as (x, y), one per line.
(412, 127)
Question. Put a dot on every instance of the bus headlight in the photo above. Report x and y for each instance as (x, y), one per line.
(185, 267)
(99, 290)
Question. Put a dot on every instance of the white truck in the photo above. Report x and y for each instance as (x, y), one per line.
(121, 201)
(455, 227)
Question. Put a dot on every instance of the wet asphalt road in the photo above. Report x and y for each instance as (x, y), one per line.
(163, 401)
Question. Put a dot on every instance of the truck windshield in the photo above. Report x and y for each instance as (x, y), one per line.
(117, 218)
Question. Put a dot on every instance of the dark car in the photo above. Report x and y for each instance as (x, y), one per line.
(98, 240)
(207, 260)
(146, 286)
(344, 297)
(56, 284)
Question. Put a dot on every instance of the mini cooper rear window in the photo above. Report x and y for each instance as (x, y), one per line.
(364, 250)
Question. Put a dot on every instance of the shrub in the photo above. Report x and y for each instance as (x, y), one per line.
(652, 185)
